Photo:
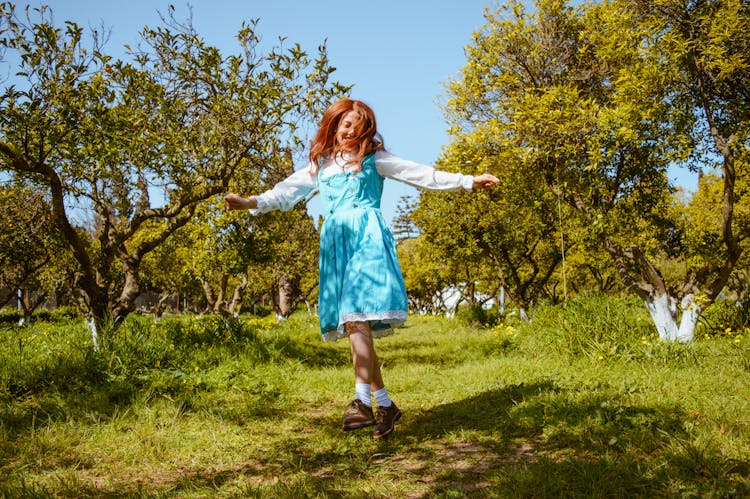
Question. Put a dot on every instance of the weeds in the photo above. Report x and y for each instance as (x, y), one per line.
(584, 401)
(595, 327)
(725, 318)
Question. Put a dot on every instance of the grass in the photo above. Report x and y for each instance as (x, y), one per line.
(582, 402)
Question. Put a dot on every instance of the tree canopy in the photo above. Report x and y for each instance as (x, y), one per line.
(594, 103)
(140, 143)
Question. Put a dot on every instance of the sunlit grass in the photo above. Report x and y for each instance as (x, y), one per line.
(569, 405)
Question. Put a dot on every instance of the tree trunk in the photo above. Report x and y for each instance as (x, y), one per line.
(285, 296)
(664, 312)
(239, 292)
(161, 305)
(130, 291)
(691, 311)
(208, 291)
(30, 303)
(220, 304)
(523, 315)
(91, 324)
(98, 313)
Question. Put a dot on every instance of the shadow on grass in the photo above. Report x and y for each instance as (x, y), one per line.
(520, 440)
(530, 439)
(94, 387)
(537, 439)
(434, 351)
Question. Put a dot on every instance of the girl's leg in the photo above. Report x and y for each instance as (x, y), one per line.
(367, 371)
(364, 358)
(359, 413)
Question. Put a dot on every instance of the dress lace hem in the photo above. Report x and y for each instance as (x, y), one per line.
(389, 318)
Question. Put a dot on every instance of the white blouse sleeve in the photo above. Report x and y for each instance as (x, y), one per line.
(420, 176)
(290, 191)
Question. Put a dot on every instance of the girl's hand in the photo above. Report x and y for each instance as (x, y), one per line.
(235, 202)
(484, 181)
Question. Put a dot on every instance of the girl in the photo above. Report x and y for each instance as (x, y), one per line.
(362, 291)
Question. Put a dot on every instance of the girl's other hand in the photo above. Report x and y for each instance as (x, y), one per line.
(484, 181)
(235, 202)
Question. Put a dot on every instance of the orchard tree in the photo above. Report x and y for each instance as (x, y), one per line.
(31, 251)
(294, 262)
(451, 256)
(702, 235)
(602, 99)
(233, 254)
(510, 233)
(437, 280)
(706, 48)
(165, 272)
(423, 276)
(209, 260)
(140, 143)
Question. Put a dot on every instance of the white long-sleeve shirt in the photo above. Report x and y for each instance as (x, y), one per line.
(303, 185)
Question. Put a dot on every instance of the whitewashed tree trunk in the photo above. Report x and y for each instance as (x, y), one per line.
(663, 310)
(523, 315)
(91, 323)
(691, 311)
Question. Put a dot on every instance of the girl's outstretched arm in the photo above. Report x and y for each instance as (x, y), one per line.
(235, 202)
(427, 177)
(484, 181)
(284, 195)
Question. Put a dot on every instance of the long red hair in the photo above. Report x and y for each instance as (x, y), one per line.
(366, 139)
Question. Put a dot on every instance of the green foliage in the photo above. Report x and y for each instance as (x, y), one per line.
(725, 318)
(476, 316)
(178, 116)
(592, 104)
(47, 356)
(9, 316)
(505, 403)
(170, 357)
(60, 314)
(208, 330)
(33, 257)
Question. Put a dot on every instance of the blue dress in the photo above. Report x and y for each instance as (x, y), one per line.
(360, 277)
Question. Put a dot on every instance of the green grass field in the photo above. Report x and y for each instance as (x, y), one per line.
(582, 402)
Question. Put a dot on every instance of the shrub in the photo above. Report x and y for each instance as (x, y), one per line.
(60, 314)
(477, 316)
(10, 316)
(206, 330)
(261, 310)
(64, 313)
(724, 317)
(47, 355)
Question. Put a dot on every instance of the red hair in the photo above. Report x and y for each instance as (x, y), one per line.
(365, 141)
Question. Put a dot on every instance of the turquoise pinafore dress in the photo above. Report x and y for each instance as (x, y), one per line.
(360, 278)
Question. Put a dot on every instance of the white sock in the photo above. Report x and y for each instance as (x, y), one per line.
(382, 398)
(362, 392)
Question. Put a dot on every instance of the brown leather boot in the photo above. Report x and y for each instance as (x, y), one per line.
(357, 415)
(385, 421)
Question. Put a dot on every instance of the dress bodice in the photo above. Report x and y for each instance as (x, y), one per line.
(348, 190)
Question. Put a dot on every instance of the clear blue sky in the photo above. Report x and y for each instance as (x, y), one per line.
(398, 54)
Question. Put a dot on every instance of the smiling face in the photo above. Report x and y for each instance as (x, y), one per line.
(349, 128)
